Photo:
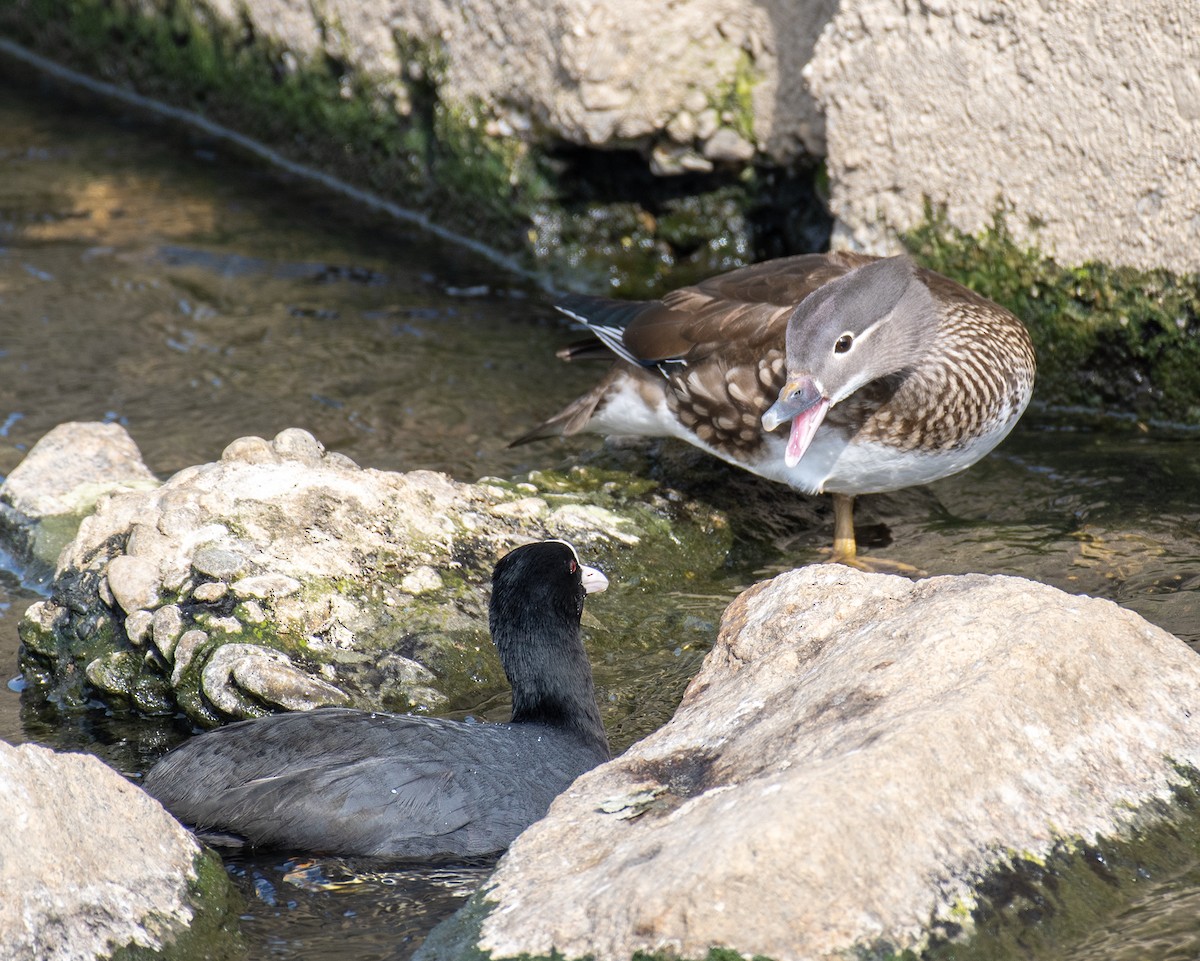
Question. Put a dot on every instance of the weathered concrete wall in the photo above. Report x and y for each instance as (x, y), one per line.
(1083, 118)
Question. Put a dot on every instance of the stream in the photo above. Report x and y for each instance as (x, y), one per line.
(147, 277)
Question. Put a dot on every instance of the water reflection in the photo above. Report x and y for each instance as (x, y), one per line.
(333, 908)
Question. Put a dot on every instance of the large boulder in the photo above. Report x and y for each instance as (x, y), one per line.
(856, 754)
(90, 864)
(286, 577)
(1080, 120)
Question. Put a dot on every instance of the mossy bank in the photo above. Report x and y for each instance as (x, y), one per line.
(587, 218)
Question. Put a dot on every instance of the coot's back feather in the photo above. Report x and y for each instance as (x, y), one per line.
(380, 785)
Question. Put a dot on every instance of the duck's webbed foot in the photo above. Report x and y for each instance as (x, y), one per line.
(845, 547)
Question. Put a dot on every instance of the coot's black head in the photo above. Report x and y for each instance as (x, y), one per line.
(543, 575)
(537, 600)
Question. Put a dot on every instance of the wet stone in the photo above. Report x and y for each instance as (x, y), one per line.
(114, 673)
(137, 625)
(166, 626)
(229, 625)
(340, 461)
(299, 445)
(269, 676)
(185, 650)
(250, 450)
(133, 582)
(210, 592)
(151, 695)
(216, 679)
(218, 562)
(284, 685)
(104, 592)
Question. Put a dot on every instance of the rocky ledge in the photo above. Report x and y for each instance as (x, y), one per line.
(286, 577)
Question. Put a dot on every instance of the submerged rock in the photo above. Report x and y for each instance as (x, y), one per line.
(90, 864)
(285, 577)
(857, 752)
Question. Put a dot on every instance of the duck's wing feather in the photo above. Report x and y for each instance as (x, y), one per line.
(743, 311)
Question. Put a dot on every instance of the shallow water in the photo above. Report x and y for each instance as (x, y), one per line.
(150, 279)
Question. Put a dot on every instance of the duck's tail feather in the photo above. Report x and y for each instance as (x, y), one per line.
(570, 420)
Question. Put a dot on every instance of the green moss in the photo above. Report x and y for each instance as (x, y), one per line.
(212, 935)
(55, 655)
(495, 177)
(735, 101)
(1109, 339)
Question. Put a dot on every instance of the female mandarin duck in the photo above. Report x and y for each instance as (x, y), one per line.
(888, 374)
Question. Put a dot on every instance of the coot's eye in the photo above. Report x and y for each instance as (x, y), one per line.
(843, 343)
(572, 566)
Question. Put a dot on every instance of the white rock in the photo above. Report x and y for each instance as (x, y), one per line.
(134, 582)
(211, 591)
(137, 625)
(59, 482)
(90, 863)
(166, 626)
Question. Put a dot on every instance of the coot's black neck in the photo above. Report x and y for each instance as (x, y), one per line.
(542, 654)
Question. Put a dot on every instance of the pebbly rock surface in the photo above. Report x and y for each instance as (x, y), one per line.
(57, 484)
(609, 72)
(286, 577)
(89, 864)
(856, 752)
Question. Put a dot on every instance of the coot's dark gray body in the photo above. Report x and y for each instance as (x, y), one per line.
(349, 782)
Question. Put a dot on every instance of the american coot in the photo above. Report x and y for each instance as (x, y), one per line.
(889, 375)
(349, 782)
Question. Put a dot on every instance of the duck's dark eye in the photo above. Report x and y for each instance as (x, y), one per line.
(843, 344)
